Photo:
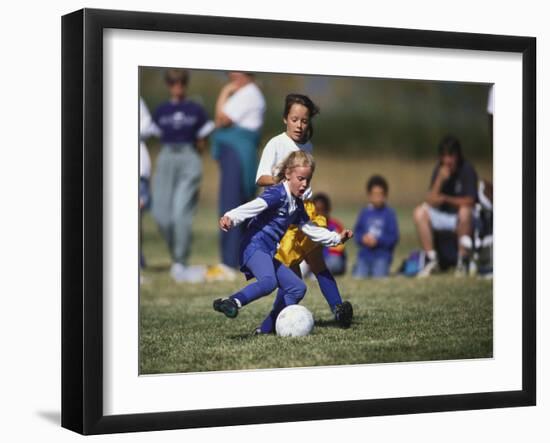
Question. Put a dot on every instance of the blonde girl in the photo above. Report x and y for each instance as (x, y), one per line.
(270, 214)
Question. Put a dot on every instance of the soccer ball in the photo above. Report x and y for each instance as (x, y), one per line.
(294, 321)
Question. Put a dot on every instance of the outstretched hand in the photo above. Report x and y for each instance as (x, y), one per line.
(345, 235)
(225, 223)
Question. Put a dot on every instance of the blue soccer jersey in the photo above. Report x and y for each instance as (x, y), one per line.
(266, 230)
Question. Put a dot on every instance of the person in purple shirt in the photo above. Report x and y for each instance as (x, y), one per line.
(184, 126)
(376, 232)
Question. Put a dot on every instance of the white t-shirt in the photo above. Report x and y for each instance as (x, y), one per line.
(276, 151)
(147, 128)
(144, 161)
(246, 107)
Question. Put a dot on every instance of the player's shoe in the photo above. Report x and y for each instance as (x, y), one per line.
(430, 266)
(187, 274)
(227, 306)
(220, 272)
(343, 313)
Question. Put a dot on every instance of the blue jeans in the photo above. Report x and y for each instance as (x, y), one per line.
(175, 196)
(374, 267)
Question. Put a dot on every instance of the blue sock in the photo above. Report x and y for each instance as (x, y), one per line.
(268, 325)
(329, 288)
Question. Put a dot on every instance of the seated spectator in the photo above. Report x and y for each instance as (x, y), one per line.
(376, 232)
(448, 207)
(335, 256)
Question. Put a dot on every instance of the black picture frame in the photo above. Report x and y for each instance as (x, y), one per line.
(82, 219)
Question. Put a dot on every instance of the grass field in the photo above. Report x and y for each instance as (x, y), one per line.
(396, 320)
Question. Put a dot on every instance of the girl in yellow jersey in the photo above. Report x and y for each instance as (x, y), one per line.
(295, 246)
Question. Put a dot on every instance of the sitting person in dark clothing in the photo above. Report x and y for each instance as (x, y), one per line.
(448, 206)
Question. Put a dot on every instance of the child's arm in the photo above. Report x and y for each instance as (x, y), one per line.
(221, 119)
(241, 213)
(264, 176)
(390, 234)
(324, 236)
(270, 198)
(338, 249)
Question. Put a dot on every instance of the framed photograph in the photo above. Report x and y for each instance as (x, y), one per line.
(218, 270)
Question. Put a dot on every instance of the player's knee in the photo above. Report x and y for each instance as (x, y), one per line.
(268, 284)
(420, 213)
(298, 291)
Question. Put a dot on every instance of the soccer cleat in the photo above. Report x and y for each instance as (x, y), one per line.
(227, 306)
(343, 313)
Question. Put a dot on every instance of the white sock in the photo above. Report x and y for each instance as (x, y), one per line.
(432, 255)
(238, 303)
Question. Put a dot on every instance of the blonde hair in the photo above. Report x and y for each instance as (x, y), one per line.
(295, 159)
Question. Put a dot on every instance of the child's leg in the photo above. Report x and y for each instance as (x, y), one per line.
(292, 291)
(380, 267)
(268, 325)
(327, 284)
(261, 266)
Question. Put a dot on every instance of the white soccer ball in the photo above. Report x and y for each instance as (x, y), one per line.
(294, 321)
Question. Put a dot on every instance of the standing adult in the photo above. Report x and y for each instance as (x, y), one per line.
(147, 128)
(448, 206)
(184, 126)
(239, 117)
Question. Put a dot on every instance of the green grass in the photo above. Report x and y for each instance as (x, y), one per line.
(396, 320)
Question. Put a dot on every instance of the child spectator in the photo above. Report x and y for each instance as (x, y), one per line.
(377, 232)
(184, 127)
(335, 256)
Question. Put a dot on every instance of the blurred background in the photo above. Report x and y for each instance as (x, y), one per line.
(366, 126)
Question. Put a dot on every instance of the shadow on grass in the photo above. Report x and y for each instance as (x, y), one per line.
(332, 324)
(248, 336)
(157, 268)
